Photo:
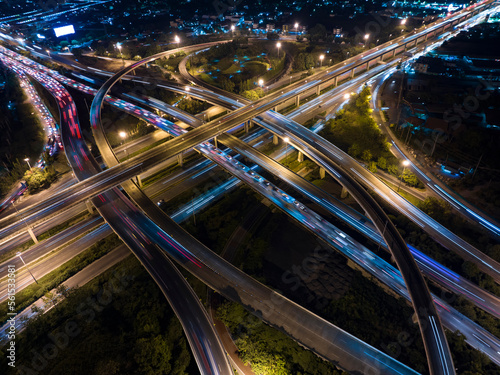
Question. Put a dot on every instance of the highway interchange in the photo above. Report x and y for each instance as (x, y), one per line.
(297, 141)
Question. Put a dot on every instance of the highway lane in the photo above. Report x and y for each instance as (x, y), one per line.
(432, 269)
(233, 101)
(40, 268)
(183, 239)
(475, 335)
(113, 206)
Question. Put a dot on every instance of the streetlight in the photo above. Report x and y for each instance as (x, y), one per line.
(119, 46)
(177, 40)
(347, 96)
(261, 83)
(48, 52)
(27, 160)
(279, 46)
(405, 164)
(366, 38)
(122, 135)
(321, 57)
(296, 26)
(232, 28)
(403, 21)
(20, 257)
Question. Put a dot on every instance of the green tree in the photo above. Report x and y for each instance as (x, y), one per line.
(153, 355)
(272, 36)
(366, 156)
(382, 162)
(354, 150)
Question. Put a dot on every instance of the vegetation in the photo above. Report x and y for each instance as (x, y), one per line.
(122, 306)
(22, 132)
(267, 350)
(33, 292)
(237, 66)
(355, 131)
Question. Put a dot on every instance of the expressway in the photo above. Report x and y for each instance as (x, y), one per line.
(319, 335)
(433, 336)
(125, 219)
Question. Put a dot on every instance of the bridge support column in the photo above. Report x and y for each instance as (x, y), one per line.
(318, 90)
(367, 65)
(300, 157)
(180, 160)
(246, 126)
(33, 237)
(276, 140)
(139, 181)
(90, 206)
(215, 138)
(352, 73)
(322, 173)
(297, 100)
(335, 81)
(394, 52)
(344, 193)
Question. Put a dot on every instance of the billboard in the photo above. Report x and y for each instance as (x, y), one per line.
(64, 30)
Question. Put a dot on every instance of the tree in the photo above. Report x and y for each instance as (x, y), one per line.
(316, 33)
(382, 162)
(367, 155)
(227, 84)
(250, 94)
(354, 150)
(272, 36)
(152, 355)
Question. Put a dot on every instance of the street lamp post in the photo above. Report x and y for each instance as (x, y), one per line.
(177, 40)
(279, 46)
(321, 57)
(366, 38)
(27, 160)
(119, 46)
(296, 27)
(122, 135)
(22, 260)
(232, 29)
(287, 140)
(405, 164)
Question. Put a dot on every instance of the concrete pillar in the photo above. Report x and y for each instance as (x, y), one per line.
(276, 140)
(33, 237)
(352, 73)
(246, 126)
(367, 65)
(335, 80)
(90, 206)
(322, 173)
(139, 181)
(275, 109)
(250, 124)
(297, 101)
(394, 52)
(180, 160)
(344, 193)
(300, 157)
(215, 138)
(318, 90)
